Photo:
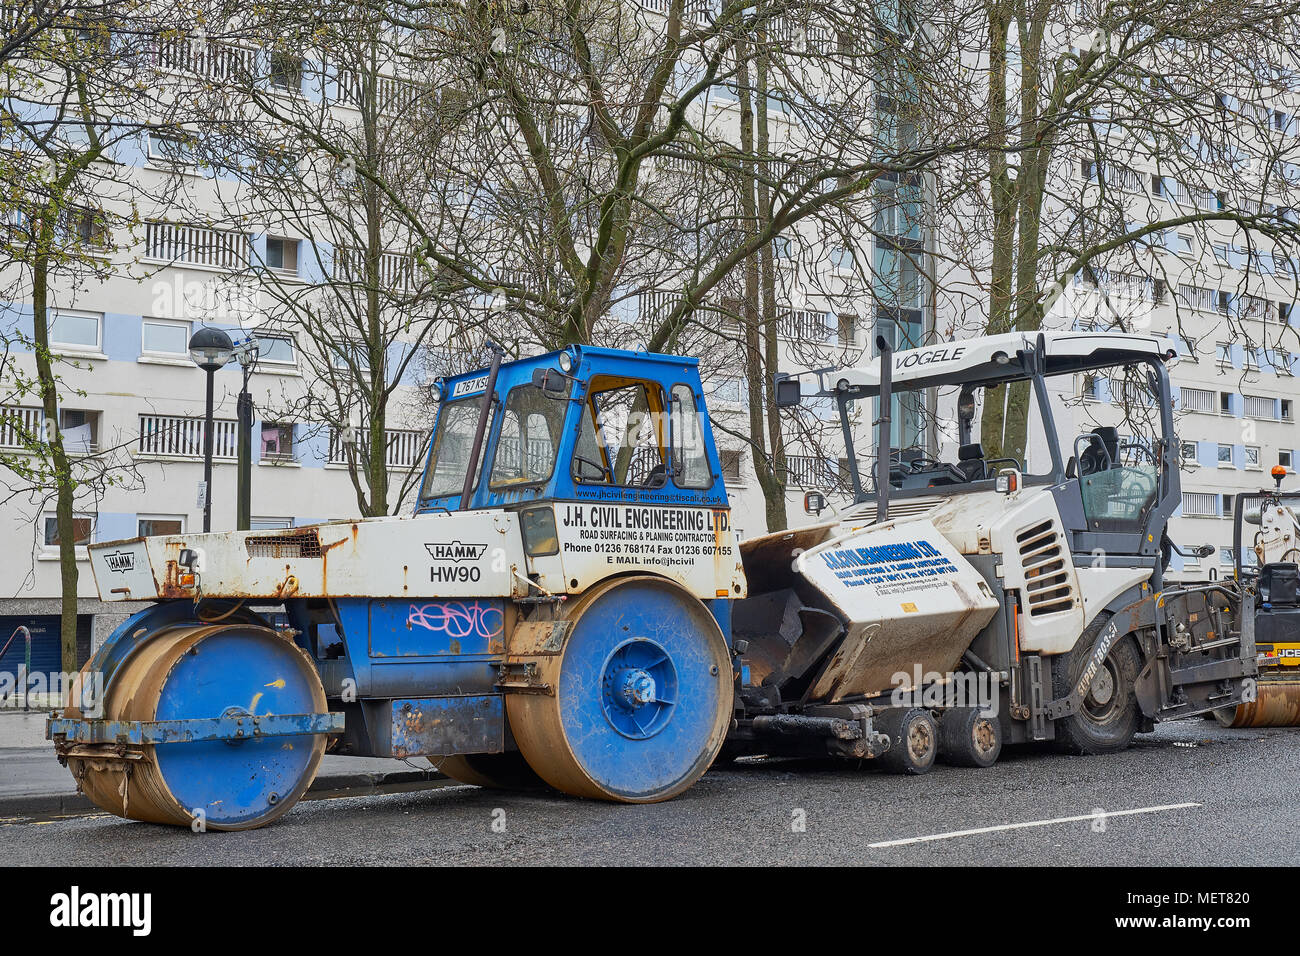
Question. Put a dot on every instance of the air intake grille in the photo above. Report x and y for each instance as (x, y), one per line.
(300, 544)
(1047, 581)
(898, 508)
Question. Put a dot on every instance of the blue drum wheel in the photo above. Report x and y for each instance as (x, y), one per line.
(640, 695)
(210, 671)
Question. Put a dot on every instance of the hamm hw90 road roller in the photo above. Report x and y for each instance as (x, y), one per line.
(568, 602)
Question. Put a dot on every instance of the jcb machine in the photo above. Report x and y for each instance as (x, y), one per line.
(569, 602)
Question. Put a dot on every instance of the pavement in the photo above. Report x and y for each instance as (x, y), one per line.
(1192, 793)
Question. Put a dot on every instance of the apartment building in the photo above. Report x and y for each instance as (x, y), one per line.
(133, 398)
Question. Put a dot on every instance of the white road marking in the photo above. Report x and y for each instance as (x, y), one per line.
(953, 834)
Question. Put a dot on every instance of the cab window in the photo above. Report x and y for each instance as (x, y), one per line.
(451, 449)
(530, 434)
(621, 438)
(690, 461)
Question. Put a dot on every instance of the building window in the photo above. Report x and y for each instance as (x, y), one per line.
(1226, 556)
(348, 355)
(276, 349)
(1282, 362)
(165, 337)
(1225, 455)
(286, 72)
(848, 323)
(1187, 450)
(83, 528)
(172, 150)
(1252, 456)
(1252, 359)
(282, 255)
(1225, 403)
(731, 459)
(277, 442)
(76, 330)
(269, 524)
(148, 526)
(80, 430)
(1284, 459)
(88, 226)
(1227, 505)
(1199, 504)
(1286, 410)
(1090, 390)
(729, 390)
(1223, 351)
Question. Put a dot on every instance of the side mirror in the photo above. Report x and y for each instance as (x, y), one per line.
(552, 382)
(814, 503)
(788, 391)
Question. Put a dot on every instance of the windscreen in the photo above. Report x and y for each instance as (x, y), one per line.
(530, 434)
(451, 449)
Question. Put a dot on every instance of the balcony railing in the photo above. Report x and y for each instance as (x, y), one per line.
(396, 270)
(803, 326)
(810, 471)
(173, 436)
(19, 425)
(215, 61)
(405, 446)
(195, 245)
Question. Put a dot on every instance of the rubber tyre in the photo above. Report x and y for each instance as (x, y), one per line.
(967, 739)
(1098, 726)
(503, 771)
(913, 741)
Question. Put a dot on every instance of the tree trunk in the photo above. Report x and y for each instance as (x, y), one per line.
(64, 485)
(751, 312)
(374, 377)
(774, 490)
(1002, 198)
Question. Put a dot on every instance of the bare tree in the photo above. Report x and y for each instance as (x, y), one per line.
(77, 93)
(1115, 131)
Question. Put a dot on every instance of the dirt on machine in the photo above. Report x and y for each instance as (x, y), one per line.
(568, 605)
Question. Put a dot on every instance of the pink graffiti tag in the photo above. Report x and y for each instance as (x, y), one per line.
(458, 619)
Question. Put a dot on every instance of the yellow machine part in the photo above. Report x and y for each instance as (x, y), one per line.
(1277, 698)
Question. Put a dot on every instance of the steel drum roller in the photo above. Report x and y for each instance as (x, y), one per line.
(204, 671)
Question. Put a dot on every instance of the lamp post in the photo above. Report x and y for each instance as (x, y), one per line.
(246, 352)
(210, 349)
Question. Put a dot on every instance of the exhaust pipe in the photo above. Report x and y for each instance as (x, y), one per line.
(484, 416)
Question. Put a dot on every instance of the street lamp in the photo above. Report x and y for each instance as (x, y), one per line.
(210, 349)
(246, 352)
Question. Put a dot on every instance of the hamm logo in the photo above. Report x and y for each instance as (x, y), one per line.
(455, 551)
(120, 561)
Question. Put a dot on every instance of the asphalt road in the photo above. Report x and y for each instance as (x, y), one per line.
(1243, 783)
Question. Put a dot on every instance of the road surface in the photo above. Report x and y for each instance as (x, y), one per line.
(1193, 793)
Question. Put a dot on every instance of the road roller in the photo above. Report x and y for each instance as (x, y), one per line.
(1271, 585)
(568, 605)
